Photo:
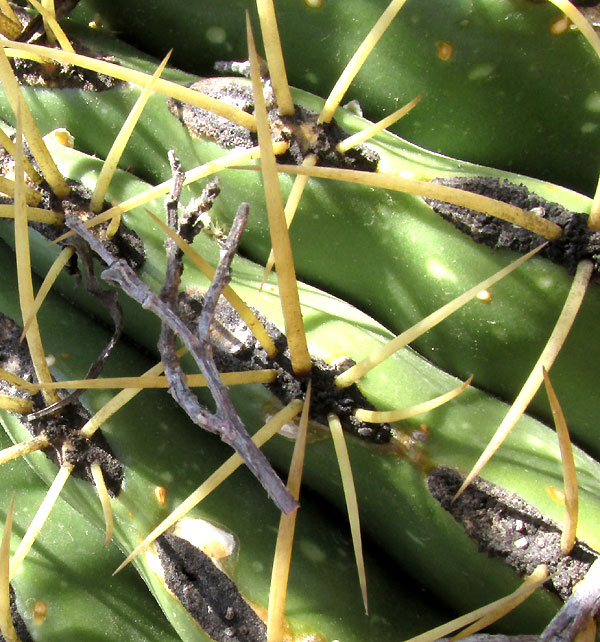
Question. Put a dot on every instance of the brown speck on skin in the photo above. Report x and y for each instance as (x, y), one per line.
(505, 525)
(160, 494)
(556, 494)
(560, 26)
(444, 50)
(484, 296)
(39, 611)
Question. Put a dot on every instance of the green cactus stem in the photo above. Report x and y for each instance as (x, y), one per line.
(305, 330)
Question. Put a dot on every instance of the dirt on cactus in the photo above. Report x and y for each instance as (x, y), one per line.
(62, 76)
(62, 426)
(505, 525)
(54, 75)
(577, 242)
(301, 130)
(207, 593)
(125, 244)
(236, 349)
(18, 622)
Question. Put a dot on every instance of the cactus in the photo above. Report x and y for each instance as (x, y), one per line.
(140, 507)
(53, 590)
(398, 512)
(487, 71)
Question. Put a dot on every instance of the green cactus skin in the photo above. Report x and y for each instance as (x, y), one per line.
(57, 573)
(505, 62)
(428, 262)
(458, 431)
(158, 446)
(438, 447)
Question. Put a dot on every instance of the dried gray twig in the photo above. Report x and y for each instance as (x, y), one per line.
(225, 421)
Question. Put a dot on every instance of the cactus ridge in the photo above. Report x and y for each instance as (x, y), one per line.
(579, 243)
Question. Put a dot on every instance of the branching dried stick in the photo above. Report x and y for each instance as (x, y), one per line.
(225, 422)
(177, 385)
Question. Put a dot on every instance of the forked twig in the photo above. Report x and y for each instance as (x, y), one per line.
(225, 422)
(179, 389)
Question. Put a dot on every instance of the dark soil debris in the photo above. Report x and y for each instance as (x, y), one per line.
(505, 525)
(68, 446)
(61, 427)
(18, 622)
(235, 349)
(124, 244)
(577, 242)
(14, 357)
(50, 74)
(53, 75)
(202, 123)
(207, 593)
(301, 130)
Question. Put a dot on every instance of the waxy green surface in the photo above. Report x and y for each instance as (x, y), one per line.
(422, 263)
(513, 95)
(396, 508)
(158, 446)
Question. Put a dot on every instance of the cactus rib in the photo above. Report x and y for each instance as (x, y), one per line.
(296, 358)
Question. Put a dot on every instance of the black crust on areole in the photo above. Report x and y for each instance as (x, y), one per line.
(68, 446)
(577, 242)
(236, 349)
(301, 130)
(61, 427)
(63, 76)
(18, 622)
(507, 526)
(207, 593)
(54, 75)
(125, 244)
